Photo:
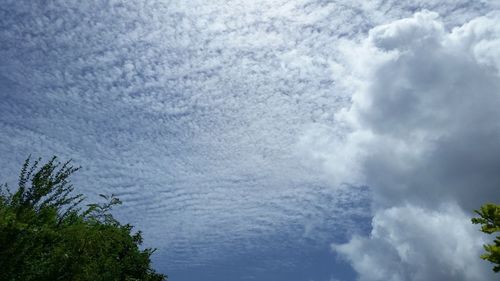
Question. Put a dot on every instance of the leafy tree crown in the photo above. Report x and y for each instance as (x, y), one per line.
(46, 235)
(489, 219)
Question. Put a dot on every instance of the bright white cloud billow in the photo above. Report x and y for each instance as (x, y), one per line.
(413, 243)
(422, 130)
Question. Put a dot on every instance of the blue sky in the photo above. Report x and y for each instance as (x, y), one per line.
(268, 140)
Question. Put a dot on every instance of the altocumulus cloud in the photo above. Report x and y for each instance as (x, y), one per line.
(190, 112)
(423, 132)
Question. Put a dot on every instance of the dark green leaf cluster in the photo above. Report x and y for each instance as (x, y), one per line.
(45, 235)
(489, 218)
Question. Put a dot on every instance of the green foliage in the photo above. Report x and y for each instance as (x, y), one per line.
(490, 224)
(44, 235)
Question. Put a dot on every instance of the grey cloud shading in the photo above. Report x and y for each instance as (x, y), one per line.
(192, 112)
(430, 108)
(422, 131)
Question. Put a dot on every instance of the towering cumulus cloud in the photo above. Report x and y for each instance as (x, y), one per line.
(423, 132)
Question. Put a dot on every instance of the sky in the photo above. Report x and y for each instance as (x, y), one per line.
(270, 140)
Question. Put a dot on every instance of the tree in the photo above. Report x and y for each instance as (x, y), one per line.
(489, 218)
(45, 234)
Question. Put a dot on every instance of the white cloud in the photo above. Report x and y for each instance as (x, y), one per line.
(422, 129)
(418, 244)
(418, 113)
